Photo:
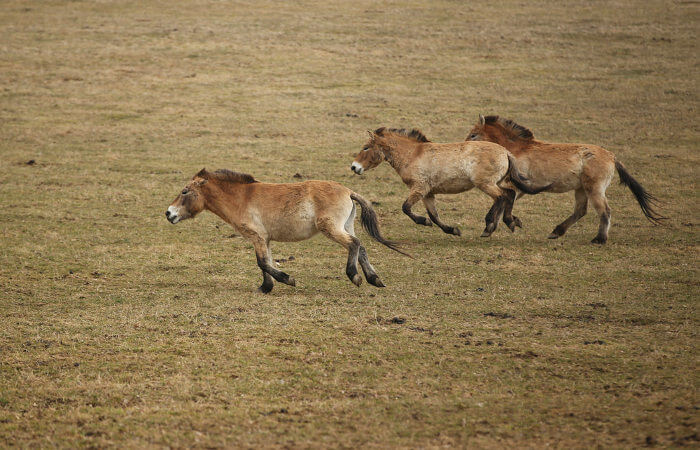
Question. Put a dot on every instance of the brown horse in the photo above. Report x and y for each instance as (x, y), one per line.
(264, 212)
(428, 169)
(583, 168)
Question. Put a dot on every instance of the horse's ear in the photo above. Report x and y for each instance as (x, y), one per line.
(379, 131)
(203, 174)
(482, 121)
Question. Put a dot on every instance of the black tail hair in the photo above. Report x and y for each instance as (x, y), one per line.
(369, 222)
(520, 181)
(644, 198)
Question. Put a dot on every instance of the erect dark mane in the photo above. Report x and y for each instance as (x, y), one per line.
(514, 130)
(415, 134)
(232, 177)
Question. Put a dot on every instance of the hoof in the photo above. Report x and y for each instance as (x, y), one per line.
(375, 281)
(456, 231)
(425, 222)
(263, 289)
(517, 222)
(290, 281)
(553, 236)
(486, 233)
(356, 280)
(598, 240)
(511, 227)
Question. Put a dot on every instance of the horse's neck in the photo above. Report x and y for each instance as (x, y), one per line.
(514, 146)
(398, 156)
(224, 202)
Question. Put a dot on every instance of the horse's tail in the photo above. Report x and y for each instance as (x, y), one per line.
(520, 181)
(368, 218)
(644, 198)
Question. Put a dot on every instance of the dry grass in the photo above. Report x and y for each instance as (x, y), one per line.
(120, 329)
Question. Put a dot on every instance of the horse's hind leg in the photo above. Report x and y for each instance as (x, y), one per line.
(367, 269)
(429, 201)
(509, 219)
(329, 228)
(262, 254)
(600, 203)
(499, 204)
(412, 199)
(579, 211)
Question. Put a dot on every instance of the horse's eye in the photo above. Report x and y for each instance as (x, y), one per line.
(184, 192)
(472, 136)
(365, 149)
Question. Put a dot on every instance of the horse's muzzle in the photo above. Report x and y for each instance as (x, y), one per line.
(358, 169)
(172, 216)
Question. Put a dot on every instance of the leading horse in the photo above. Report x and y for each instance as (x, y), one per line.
(264, 212)
(583, 168)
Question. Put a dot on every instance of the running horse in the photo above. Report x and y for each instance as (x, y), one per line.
(264, 212)
(583, 168)
(429, 168)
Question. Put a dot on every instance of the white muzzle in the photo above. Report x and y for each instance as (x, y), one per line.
(357, 168)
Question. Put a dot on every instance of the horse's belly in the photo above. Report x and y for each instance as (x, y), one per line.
(293, 225)
(454, 186)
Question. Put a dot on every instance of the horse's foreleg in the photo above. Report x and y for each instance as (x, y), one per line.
(429, 202)
(579, 211)
(262, 254)
(508, 218)
(413, 197)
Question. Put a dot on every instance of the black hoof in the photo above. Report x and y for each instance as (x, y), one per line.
(265, 288)
(486, 233)
(456, 231)
(511, 226)
(356, 280)
(598, 240)
(375, 281)
(553, 236)
(288, 280)
(517, 222)
(423, 221)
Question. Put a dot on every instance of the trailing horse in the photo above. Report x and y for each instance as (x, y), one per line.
(428, 169)
(583, 168)
(264, 212)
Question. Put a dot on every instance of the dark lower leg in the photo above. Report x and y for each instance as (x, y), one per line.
(368, 270)
(493, 216)
(601, 206)
(429, 202)
(408, 204)
(579, 211)
(351, 266)
(602, 236)
(267, 283)
(509, 219)
(266, 267)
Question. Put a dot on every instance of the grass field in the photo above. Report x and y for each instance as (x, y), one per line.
(119, 329)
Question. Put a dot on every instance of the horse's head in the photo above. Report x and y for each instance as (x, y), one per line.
(371, 155)
(501, 131)
(190, 201)
(480, 131)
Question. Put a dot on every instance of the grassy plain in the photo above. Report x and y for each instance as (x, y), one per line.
(119, 329)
